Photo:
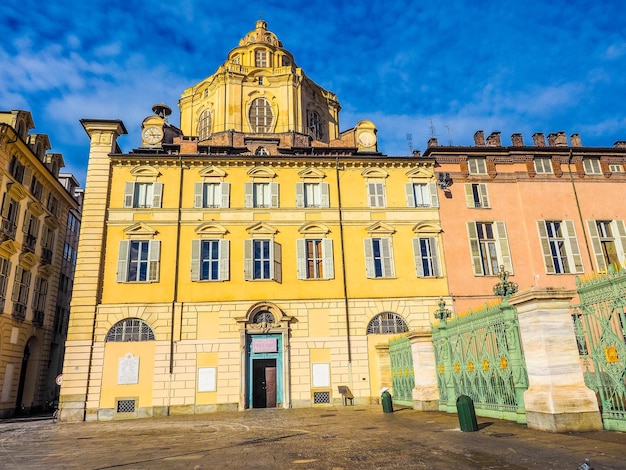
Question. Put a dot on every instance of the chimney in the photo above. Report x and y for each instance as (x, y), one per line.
(552, 139)
(479, 139)
(517, 140)
(561, 139)
(575, 140)
(432, 142)
(620, 144)
(494, 140)
(539, 140)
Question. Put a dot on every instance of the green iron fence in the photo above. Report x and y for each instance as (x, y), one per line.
(600, 324)
(479, 354)
(402, 374)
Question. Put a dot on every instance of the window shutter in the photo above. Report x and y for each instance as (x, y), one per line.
(576, 259)
(36, 292)
(157, 195)
(195, 259)
(545, 247)
(371, 193)
(277, 275)
(44, 236)
(328, 266)
(129, 193)
(15, 294)
(434, 197)
(619, 232)
(597, 246)
(35, 230)
(27, 217)
(369, 258)
(122, 261)
(386, 253)
(274, 194)
(502, 246)
(324, 195)
(417, 257)
(5, 205)
(301, 258)
(475, 249)
(24, 292)
(469, 195)
(198, 196)
(484, 195)
(248, 194)
(434, 253)
(154, 252)
(248, 263)
(299, 194)
(224, 253)
(225, 202)
(410, 195)
(28, 176)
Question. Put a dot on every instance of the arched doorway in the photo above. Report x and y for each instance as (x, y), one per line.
(28, 378)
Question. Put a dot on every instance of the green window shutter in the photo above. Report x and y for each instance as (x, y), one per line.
(274, 194)
(434, 196)
(502, 246)
(129, 194)
(277, 275)
(154, 253)
(225, 189)
(417, 258)
(545, 247)
(434, 252)
(122, 261)
(474, 248)
(328, 266)
(198, 199)
(248, 194)
(386, 253)
(248, 262)
(597, 246)
(324, 195)
(410, 196)
(224, 254)
(484, 195)
(469, 196)
(369, 258)
(576, 259)
(619, 232)
(195, 259)
(301, 257)
(157, 195)
(299, 194)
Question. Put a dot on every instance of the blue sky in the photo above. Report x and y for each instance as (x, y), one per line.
(524, 66)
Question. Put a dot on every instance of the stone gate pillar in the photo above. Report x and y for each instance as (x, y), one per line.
(557, 399)
(425, 392)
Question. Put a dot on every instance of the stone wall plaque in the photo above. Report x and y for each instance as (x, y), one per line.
(128, 370)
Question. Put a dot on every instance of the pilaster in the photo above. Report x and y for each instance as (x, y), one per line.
(425, 392)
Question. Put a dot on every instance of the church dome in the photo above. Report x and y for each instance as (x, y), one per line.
(260, 35)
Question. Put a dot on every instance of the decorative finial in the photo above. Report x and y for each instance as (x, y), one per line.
(442, 312)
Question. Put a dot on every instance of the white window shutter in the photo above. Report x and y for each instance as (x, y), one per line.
(484, 195)
(328, 266)
(248, 194)
(122, 261)
(195, 259)
(224, 254)
(198, 195)
(277, 275)
(301, 258)
(324, 195)
(225, 202)
(154, 254)
(129, 194)
(469, 195)
(386, 252)
(299, 194)
(576, 261)
(545, 247)
(434, 196)
(502, 246)
(157, 195)
(417, 257)
(619, 232)
(371, 194)
(434, 253)
(597, 246)
(410, 195)
(475, 249)
(248, 263)
(274, 194)
(370, 272)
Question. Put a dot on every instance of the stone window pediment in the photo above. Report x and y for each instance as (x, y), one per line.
(421, 173)
(380, 228)
(140, 230)
(374, 173)
(427, 227)
(314, 229)
(35, 208)
(8, 248)
(28, 260)
(262, 172)
(211, 230)
(262, 229)
(145, 171)
(212, 172)
(312, 173)
(16, 191)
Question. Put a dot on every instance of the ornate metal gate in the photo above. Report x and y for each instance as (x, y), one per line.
(402, 374)
(600, 324)
(479, 354)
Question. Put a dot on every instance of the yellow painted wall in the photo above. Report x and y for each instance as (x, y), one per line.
(207, 360)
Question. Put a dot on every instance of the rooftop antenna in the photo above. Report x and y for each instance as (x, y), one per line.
(432, 128)
(409, 139)
(449, 135)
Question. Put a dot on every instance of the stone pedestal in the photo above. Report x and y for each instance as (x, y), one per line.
(425, 392)
(557, 399)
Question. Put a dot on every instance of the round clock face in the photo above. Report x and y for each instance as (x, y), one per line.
(366, 139)
(152, 135)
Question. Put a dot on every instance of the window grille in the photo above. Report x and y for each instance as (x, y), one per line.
(126, 406)
(264, 316)
(131, 329)
(321, 398)
(387, 323)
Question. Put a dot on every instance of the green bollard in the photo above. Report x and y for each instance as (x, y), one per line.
(386, 401)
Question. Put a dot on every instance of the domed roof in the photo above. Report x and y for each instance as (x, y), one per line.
(260, 35)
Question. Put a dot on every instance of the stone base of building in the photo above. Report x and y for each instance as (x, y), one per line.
(564, 422)
(426, 405)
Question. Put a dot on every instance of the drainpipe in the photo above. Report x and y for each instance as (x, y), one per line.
(580, 214)
(343, 264)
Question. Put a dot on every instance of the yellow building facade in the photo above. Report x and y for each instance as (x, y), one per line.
(254, 257)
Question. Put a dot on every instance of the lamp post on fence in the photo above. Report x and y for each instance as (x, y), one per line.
(504, 288)
(442, 313)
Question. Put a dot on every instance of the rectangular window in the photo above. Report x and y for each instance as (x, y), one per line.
(143, 195)
(379, 258)
(476, 195)
(261, 195)
(376, 194)
(212, 195)
(21, 285)
(17, 169)
(10, 213)
(315, 258)
(5, 267)
(422, 195)
(489, 248)
(477, 166)
(138, 261)
(209, 260)
(36, 188)
(559, 245)
(592, 166)
(40, 292)
(312, 194)
(262, 260)
(608, 238)
(543, 165)
(53, 205)
(426, 257)
(260, 58)
(616, 168)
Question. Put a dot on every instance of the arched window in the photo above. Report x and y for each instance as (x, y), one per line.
(131, 329)
(260, 58)
(263, 316)
(387, 323)
(316, 130)
(261, 115)
(204, 125)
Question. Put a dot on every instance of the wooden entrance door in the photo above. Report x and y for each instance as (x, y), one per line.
(264, 383)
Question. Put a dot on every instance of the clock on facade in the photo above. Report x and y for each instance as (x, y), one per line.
(152, 135)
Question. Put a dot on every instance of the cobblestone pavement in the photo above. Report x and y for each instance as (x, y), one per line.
(339, 438)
